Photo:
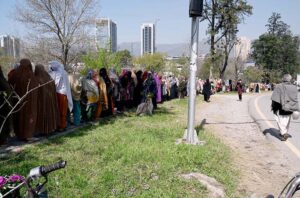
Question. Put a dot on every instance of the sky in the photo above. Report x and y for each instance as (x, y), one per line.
(173, 24)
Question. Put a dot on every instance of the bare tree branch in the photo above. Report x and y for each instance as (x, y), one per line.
(63, 20)
(16, 107)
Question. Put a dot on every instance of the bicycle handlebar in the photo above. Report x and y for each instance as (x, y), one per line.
(52, 167)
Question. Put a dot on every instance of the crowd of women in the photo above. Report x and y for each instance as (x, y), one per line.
(45, 99)
(42, 99)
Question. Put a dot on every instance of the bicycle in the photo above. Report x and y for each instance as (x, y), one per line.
(39, 191)
(290, 188)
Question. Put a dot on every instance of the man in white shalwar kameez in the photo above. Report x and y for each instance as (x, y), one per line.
(284, 103)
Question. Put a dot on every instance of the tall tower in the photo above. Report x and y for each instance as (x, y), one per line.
(147, 38)
(242, 49)
(106, 34)
(10, 46)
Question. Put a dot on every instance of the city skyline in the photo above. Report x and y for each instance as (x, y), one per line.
(169, 16)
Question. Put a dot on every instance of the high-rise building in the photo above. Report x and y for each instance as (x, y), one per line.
(147, 38)
(242, 48)
(106, 34)
(10, 46)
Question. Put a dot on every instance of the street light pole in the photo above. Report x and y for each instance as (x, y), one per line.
(191, 132)
(190, 135)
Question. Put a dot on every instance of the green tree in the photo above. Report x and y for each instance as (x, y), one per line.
(253, 74)
(277, 49)
(223, 16)
(179, 67)
(6, 62)
(151, 62)
(276, 26)
(107, 59)
(209, 68)
(96, 60)
(120, 60)
(184, 63)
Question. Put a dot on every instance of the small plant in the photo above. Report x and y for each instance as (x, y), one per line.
(7, 183)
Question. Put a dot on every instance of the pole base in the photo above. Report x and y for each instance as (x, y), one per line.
(194, 140)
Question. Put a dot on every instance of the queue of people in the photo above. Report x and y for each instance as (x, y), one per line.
(47, 99)
(42, 99)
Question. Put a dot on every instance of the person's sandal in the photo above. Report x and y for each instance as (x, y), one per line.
(283, 137)
(286, 136)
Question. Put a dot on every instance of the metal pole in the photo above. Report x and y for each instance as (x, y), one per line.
(191, 133)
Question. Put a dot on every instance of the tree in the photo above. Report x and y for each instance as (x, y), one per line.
(276, 26)
(97, 60)
(121, 59)
(207, 69)
(151, 62)
(277, 49)
(6, 62)
(60, 21)
(18, 104)
(253, 74)
(178, 67)
(223, 16)
(238, 62)
(106, 59)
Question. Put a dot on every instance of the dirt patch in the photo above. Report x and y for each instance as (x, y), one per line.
(263, 166)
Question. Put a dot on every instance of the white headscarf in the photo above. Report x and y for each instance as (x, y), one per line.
(60, 76)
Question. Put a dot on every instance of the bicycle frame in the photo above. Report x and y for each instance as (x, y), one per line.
(293, 186)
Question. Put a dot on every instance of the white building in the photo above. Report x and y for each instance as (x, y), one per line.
(106, 34)
(10, 46)
(147, 38)
(242, 49)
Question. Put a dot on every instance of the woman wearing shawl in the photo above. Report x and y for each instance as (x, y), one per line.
(284, 102)
(149, 88)
(130, 89)
(158, 88)
(109, 92)
(173, 87)
(239, 87)
(5, 91)
(76, 89)
(63, 92)
(124, 93)
(48, 114)
(102, 103)
(90, 87)
(23, 80)
(207, 90)
(137, 97)
(116, 86)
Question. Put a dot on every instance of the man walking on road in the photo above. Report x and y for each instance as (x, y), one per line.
(284, 102)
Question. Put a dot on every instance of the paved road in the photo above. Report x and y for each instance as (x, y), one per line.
(260, 110)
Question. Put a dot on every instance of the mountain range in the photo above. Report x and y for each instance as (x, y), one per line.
(173, 50)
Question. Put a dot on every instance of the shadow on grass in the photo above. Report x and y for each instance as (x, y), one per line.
(163, 110)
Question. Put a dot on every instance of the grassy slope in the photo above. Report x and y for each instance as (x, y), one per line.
(129, 156)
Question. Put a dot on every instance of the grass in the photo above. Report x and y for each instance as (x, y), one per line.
(129, 156)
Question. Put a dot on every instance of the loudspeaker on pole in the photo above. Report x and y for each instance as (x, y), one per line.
(196, 7)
